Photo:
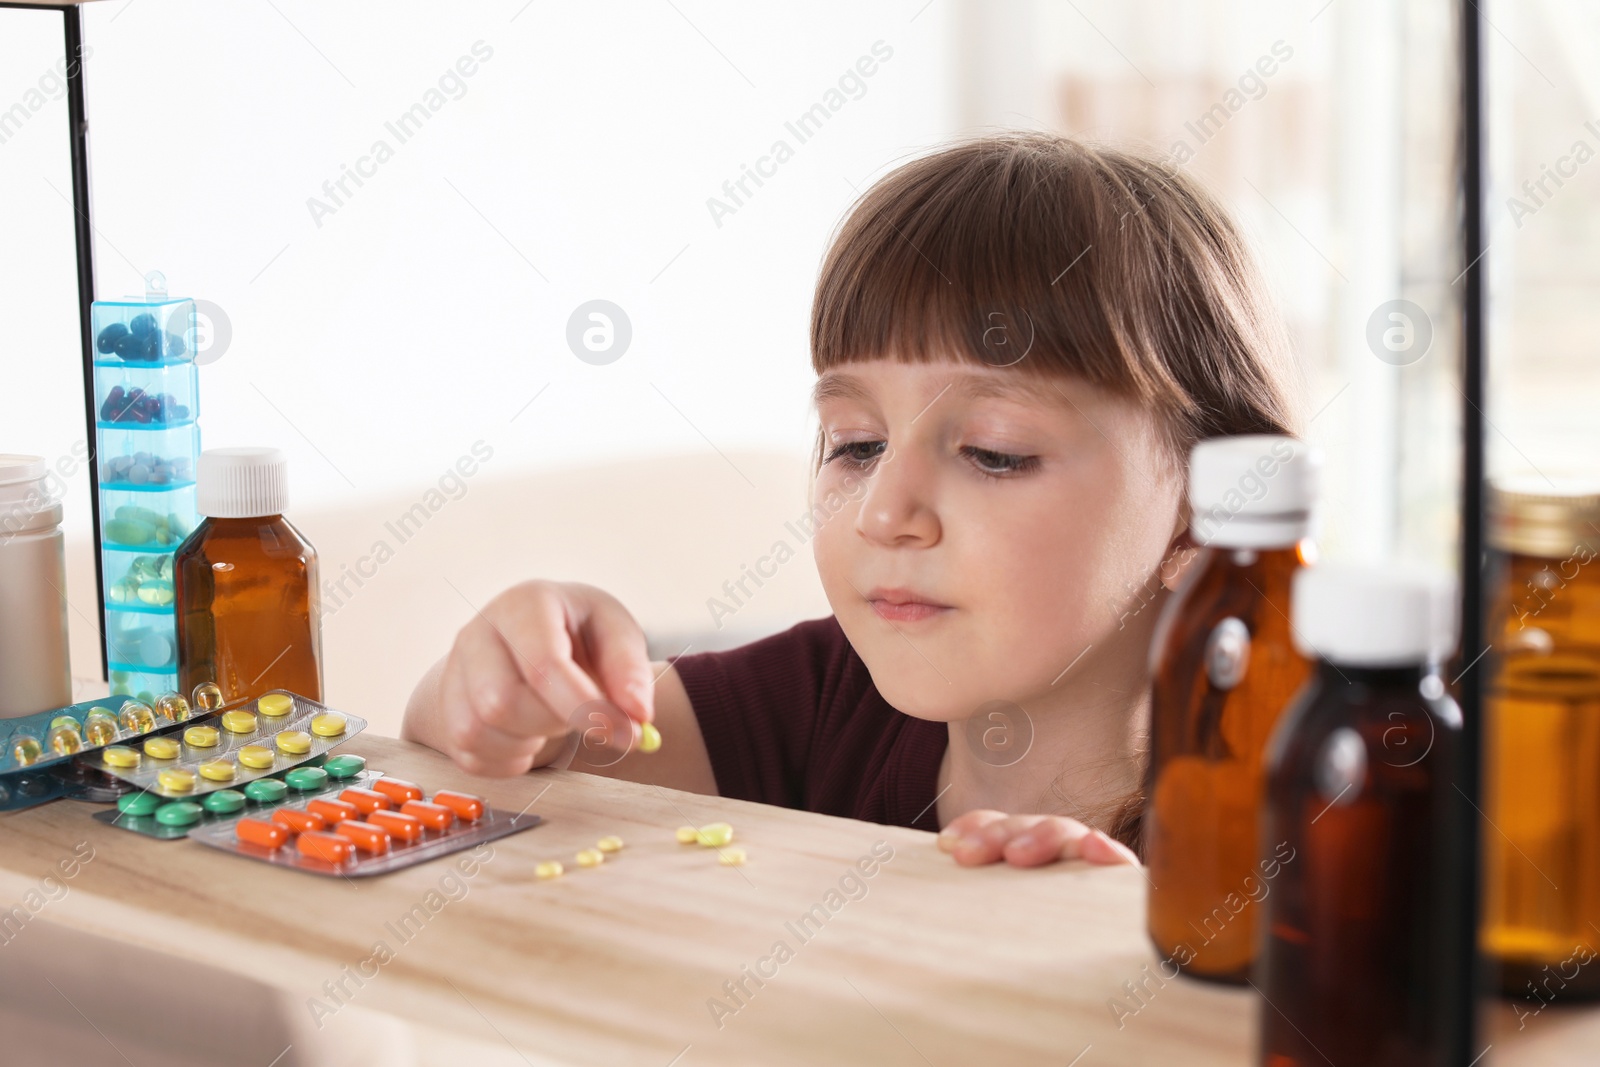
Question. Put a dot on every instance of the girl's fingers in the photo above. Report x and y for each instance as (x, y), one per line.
(1102, 848)
(616, 648)
(532, 623)
(484, 672)
(986, 842)
(986, 836)
(1047, 841)
(962, 825)
(477, 747)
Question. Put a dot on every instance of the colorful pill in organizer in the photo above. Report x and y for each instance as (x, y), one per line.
(162, 748)
(100, 727)
(358, 834)
(176, 779)
(136, 717)
(138, 804)
(207, 696)
(172, 707)
(26, 750)
(178, 813)
(119, 756)
(65, 720)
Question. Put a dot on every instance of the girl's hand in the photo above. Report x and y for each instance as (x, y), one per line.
(984, 836)
(521, 673)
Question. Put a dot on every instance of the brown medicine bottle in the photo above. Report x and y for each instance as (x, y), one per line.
(246, 583)
(1361, 961)
(1224, 669)
(1541, 922)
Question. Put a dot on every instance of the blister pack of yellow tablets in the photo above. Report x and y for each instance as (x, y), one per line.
(38, 746)
(256, 738)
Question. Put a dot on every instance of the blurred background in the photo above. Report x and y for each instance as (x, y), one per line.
(391, 254)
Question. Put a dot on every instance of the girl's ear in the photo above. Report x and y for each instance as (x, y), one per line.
(1181, 554)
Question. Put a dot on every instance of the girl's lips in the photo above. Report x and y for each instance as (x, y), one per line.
(901, 607)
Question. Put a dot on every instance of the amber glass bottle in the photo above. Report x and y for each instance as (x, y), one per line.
(246, 583)
(1360, 958)
(1542, 756)
(1224, 669)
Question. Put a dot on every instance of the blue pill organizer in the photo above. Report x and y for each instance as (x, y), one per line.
(147, 403)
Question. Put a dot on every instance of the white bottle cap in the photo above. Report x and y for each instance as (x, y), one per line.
(1374, 616)
(27, 505)
(242, 483)
(1252, 491)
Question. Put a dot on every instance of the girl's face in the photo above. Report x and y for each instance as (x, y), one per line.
(987, 528)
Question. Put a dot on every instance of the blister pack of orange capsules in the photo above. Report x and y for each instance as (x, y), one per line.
(249, 740)
(384, 825)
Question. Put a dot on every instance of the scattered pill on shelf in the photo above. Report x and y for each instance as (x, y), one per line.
(590, 857)
(731, 857)
(549, 869)
(609, 843)
(687, 835)
(714, 835)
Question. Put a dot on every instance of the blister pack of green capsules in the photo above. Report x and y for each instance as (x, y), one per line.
(38, 745)
(244, 742)
(165, 819)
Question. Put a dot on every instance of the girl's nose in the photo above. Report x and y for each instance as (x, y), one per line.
(897, 509)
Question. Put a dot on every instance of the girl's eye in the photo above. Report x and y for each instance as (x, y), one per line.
(999, 464)
(857, 453)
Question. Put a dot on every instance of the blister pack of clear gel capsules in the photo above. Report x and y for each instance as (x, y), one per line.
(384, 826)
(166, 819)
(39, 743)
(246, 741)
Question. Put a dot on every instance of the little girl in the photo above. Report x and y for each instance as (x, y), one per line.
(1017, 340)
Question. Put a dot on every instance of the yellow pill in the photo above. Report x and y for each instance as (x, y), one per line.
(275, 704)
(238, 722)
(257, 756)
(201, 736)
(715, 835)
(218, 770)
(549, 869)
(609, 843)
(120, 756)
(731, 857)
(172, 707)
(649, 737)
(328, 724)
(591, 857)
(26, 750)
(136, 717)
(162, 748)
(207, 696)
(294, 742)
(100, 727)
(688, 835)
(176, 779)
(64, 740)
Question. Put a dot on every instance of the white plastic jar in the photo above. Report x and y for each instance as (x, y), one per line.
(35, 674)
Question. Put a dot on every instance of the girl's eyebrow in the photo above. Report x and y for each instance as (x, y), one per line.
(836, 386)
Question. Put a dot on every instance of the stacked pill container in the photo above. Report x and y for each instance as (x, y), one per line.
(147, 446)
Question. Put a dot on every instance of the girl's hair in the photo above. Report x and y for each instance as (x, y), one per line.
(1052, 256)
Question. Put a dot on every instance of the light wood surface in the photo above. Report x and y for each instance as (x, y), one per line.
(932, 964)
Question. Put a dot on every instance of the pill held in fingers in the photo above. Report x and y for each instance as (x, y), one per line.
(649, 737)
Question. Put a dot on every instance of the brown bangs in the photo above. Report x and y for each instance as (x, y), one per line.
(1048, 256)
